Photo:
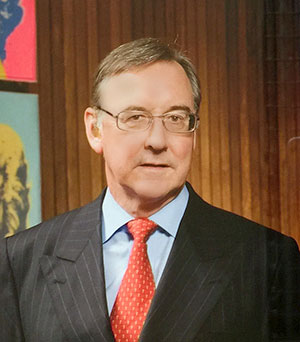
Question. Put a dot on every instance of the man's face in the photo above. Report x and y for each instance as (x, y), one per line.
(150, 165)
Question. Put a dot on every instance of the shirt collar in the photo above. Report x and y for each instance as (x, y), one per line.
(168, 217)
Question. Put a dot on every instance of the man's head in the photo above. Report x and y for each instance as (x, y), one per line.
(139, 53)
(146, 165)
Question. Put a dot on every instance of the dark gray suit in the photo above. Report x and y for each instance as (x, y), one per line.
(227, 279)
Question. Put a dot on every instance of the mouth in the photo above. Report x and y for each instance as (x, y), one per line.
(155, 166)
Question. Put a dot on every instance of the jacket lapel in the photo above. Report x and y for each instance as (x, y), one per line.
(198, 269)
(75, 277)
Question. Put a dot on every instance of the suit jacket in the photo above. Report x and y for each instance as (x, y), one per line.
(226, 279)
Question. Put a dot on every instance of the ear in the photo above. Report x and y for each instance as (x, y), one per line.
(92, 131)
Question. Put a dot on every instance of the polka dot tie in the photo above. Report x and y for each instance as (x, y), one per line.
(137, 288)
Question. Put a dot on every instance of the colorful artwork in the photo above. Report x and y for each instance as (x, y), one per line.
(17, 40)
(20, 205)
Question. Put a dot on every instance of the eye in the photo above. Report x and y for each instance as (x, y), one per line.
(131, 118)
(176, 117)
(135, 117)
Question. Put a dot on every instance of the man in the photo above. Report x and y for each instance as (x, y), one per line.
(212, 276)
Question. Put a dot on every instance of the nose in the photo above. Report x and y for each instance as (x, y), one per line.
(156, 139)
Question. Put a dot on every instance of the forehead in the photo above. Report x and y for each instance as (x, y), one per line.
(153, 86)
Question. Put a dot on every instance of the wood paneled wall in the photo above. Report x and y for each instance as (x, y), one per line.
(242, 162)
(283, 81)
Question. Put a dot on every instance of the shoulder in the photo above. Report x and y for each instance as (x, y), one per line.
(214, 229)
(45, 237)
(218, 222)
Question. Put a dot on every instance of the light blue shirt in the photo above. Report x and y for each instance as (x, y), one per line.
(117, 242)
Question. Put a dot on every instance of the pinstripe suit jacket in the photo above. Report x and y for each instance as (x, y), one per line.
(227, 279)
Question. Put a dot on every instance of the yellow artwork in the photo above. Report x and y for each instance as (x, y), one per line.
(14, 192)
(2, 71)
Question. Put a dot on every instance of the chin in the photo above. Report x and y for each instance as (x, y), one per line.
(155, 190)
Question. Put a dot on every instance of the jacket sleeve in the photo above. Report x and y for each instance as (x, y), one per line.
(285, 294)
(10, 321)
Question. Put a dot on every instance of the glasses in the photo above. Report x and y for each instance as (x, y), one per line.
(177, 121)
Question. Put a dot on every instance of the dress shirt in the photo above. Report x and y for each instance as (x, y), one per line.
(117, 241)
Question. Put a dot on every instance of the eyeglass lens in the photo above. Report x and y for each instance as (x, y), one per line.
(174, 122)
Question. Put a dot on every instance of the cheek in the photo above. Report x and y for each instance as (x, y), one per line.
(183, 150)
(120, 150)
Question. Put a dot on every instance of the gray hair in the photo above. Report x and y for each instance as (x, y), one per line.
(138, 53)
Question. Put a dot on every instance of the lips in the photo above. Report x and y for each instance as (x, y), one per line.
(154, 165)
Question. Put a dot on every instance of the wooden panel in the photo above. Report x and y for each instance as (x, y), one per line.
(58, 106)
(271, 116)
(148, 19)
(45, 108)
(247, 154)
(225, 180)
(169, 20)
(96, 163)
(287, 55)
(82, 98)
(243, 117)
(192, 46)
(212, 86)
(126, 20)
(70, 84)
(234, 97)
(203, 139)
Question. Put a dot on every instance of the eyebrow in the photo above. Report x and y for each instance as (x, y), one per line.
(170, 109)
(179, 107)
(136, 108)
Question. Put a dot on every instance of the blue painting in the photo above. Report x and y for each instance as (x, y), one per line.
(20, 204)
(10, 16)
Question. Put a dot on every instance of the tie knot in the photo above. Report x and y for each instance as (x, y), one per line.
(141, 228)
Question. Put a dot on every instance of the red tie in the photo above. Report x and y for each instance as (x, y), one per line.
(137, 288)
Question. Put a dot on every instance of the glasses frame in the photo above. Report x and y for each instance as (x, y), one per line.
(150, 122)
